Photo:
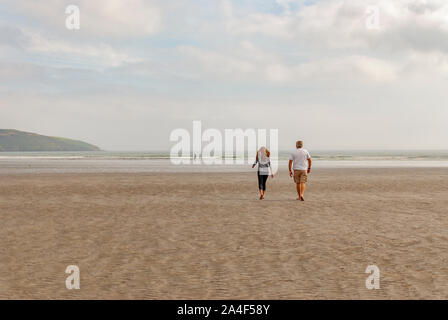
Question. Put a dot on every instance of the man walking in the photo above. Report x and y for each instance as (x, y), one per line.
(300, 161)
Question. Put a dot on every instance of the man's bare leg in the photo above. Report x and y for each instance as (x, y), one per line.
(298, 190)
(302, 189)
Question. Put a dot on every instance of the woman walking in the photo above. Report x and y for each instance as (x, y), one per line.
(264, 169)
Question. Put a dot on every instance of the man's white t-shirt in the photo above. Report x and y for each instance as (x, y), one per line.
(300, 159)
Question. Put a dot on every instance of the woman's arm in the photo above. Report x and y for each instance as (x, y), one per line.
(256, 161)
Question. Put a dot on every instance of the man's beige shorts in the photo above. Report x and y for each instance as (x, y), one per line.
(300, 176)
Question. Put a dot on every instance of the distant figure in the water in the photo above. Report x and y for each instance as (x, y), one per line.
(302, 167)
(264, 169)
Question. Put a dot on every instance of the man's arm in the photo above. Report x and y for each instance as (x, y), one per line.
(290, 166)
(309, 165)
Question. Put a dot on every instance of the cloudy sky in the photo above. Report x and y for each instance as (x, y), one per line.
(322, 71)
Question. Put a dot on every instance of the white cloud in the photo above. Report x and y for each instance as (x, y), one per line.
(212, 62)
(55, 51)
(248, 64)
(103, 18)
(339, 24)
(97, 56)
(120, 18)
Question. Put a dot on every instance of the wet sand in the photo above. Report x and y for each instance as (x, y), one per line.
(207, 236)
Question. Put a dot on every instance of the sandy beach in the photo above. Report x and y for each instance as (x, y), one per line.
(207, 236)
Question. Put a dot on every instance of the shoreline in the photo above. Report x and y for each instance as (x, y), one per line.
(30, 166)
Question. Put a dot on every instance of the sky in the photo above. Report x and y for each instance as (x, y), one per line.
(350, 74)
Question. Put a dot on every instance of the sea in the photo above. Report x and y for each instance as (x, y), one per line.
(160, 161)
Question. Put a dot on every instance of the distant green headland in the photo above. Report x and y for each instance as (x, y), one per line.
(14, 140)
